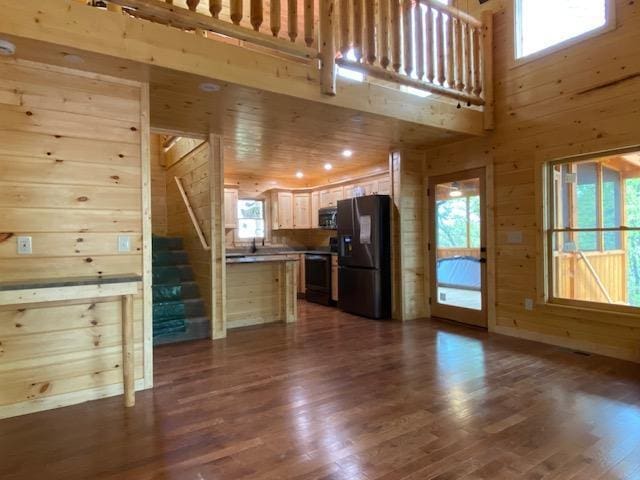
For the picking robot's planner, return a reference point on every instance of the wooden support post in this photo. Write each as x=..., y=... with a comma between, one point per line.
x=407, y=27
x=215, y=7
x=308, y=22
x=218, y=250
x=383, y=33
x=396, y=41
x=235, y=7
x=487, y=69
x=274, y=17
x=291, y=292
x=256, y=14
x=128, y=361
x=357, y=29
x=327, y=47
x=292, y=16
x=370, y=31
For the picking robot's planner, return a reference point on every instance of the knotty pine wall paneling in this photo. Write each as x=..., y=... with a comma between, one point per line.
x=71, y=148
x=581, y=99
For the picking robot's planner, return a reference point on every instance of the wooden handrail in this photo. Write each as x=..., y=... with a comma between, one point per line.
x=192, y=215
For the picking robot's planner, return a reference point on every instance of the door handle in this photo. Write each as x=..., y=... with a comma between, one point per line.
x=483, y=260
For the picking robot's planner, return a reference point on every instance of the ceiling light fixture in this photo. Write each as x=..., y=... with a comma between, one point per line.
x=7, y=48
x=347, y=153
x=209, y=87
x=299, y=174
x=455, y=190
x=328, y=166
x=72, y=58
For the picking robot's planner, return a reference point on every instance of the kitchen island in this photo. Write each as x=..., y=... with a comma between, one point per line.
x=261, y=289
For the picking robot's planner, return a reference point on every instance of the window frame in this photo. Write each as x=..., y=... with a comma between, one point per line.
x=609, y=25
x=468, y=235
x=548, y=230
x=238, y=238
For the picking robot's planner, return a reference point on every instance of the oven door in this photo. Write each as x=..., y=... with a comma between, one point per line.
x=318, y=273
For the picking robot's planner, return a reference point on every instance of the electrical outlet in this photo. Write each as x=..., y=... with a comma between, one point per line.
x=528, y=304
x=24, y=245
x=515, y=237
x=124, y=243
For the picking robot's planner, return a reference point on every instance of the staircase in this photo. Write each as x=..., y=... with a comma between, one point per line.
x=178, y=310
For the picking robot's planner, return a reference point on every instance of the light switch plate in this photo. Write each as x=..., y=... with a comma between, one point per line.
x=515, y=237
x=528, y=304
x=24, y=246
x=124, y=243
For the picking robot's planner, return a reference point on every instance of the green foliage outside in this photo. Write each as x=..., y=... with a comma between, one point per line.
x=632, y=211
x=452, y=217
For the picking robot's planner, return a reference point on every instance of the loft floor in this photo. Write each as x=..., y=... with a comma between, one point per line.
x=341, y=397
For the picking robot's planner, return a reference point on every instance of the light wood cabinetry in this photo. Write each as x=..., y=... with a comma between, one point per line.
x=334, y=278
x=335, y=195
x=315, y=206
x=282, y=210
x=230, y=208
x=301, y=210
x=325, y=198
x=301, y=275
x=384, y=187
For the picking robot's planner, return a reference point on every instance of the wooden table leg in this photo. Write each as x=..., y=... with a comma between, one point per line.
x=128, y=364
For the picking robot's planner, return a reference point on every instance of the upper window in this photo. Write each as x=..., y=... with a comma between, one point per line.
x=594, y=235
x=542, y=24
x=250, y=218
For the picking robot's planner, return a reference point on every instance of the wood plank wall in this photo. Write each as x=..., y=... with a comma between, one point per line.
x=193, y=170
x=158, y=188
x=581, y=99
x=70, y=177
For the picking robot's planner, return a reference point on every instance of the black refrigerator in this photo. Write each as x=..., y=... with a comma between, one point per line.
x=364, y=256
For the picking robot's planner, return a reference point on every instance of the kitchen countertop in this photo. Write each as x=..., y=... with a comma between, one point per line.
x=233, y=253
x=272, y=257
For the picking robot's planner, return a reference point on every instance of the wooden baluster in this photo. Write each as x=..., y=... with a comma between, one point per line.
x=344, y=26
x=475, y=40
x=407, y=33
x=440, y=48
x=383, y=33
x=396, y=40
x=308, y=22
x=327, y=47
x=256, y=14
x=215, y=7
x=292, y=17
x=419, y=30
x=428, y=45
x=467, y=58
x=235, y=6
x=487, y=69
x=193, y=5
x=274, y=18
x=449, y=37
x=370, y=29
x=357, y=29
x=459, y=76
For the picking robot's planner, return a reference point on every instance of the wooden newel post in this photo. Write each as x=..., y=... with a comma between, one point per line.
x=327, y=47
x=128, y=363
x=487, y=69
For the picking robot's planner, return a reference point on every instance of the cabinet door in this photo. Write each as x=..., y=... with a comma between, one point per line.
x=315, y=206
x=347, y=191
x=230, y=208
x=325, y=198
x=335, y=195
x=285, y=210
x=334, y=278
x=301, y=210
x=384, y=187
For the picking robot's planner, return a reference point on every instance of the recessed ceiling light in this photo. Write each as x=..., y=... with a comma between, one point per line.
x=71, y=58
x=7, y=48
x=209, y=87
x=299, y=174
x=328, y=166
x=347, y=153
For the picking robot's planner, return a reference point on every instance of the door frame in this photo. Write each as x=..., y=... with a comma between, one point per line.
x=481, y=318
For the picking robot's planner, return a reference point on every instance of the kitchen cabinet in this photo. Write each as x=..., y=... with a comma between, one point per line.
x=301, y=275
x=282, y=210
x=230, y=208
x=334, y=278
x=315, y=206
x=335, y=194
x=325, y=198
x=384, y=186
x=301, y=210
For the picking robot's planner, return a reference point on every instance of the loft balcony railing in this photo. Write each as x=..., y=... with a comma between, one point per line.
x=423, y=44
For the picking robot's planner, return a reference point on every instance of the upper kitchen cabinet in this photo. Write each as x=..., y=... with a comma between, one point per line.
x=315, y=206
x=281, y=210
x=330, y=197
x=301, y=210
x=230, y=208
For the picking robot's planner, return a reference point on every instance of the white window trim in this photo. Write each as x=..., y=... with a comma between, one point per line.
x=609, y=25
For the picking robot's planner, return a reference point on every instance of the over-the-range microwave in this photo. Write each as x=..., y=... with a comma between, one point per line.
x=327, y=218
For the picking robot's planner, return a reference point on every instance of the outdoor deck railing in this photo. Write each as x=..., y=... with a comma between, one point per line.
x=423, y=44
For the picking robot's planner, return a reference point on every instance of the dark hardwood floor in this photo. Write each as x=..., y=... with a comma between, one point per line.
x=340, y=397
